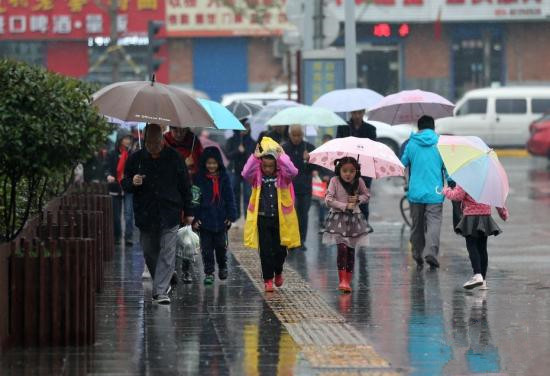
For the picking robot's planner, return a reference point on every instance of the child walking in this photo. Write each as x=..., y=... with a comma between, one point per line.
x=271, y=221
x=345, y=225
x=476, y=226
x=215, y=212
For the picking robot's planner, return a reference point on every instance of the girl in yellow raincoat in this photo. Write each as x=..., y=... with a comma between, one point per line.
x=271, y=221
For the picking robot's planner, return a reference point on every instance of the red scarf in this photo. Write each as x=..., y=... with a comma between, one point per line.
x=215, y=187
x=121, y=163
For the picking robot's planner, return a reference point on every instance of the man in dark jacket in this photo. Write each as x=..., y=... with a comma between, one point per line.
x=238, y=148
x=357, y=127
x=159, y=180
x=298, y=151
x=114, y=170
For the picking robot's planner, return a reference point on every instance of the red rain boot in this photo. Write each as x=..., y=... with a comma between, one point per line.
x=279, y=280
x=349, y=278
x=343, y=285
x=268, y=284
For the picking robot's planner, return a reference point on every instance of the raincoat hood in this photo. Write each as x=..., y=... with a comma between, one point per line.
x=211, y=152
x=426, y=137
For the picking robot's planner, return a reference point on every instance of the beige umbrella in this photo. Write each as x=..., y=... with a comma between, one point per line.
x=151, y=102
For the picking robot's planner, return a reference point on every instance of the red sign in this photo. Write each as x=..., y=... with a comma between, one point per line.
x=74, y=19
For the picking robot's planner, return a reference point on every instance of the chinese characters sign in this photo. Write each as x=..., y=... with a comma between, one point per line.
x=73, y=19
x=225, y=17
x=321, y=76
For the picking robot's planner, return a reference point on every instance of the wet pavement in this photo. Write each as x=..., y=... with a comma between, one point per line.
x=398, y=319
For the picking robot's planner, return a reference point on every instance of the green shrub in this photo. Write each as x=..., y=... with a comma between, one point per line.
x=46, y=128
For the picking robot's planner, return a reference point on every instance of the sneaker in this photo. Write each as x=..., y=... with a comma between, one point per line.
x=483, y=286
x=475, y=281
x=209, y=279
x=174, y=279
x=169, y=290
x=432, y=261
x=279, y=280
x=222, y=274
x=268, y=285
x=187, y=277
x=161, y=299
x=419, y=261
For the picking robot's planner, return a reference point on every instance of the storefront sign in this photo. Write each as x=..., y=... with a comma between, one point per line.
x=73, y=19
x=321, y=76
x=225, y=17
x=444, y=10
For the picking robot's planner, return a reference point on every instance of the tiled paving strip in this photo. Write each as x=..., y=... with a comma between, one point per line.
x=326, y=341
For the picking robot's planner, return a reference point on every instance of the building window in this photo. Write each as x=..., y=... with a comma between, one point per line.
x=540, y=106
x=30, y=52
x=473, y=106
x=511, y=106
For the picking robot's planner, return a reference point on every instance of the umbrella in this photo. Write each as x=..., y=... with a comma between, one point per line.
x=151, y=102
x=258, y=122
x=306, y=115
x=223, y=118
x=243, y=110
x=410, y=105
x=476, y=168
x=376, y=159
x=348, y=100
x=206, y=142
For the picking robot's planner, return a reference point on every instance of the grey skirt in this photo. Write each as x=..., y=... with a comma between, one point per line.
x=475, y=225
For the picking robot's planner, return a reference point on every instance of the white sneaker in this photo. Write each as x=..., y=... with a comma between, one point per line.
x=484, y=286
x=475, y=281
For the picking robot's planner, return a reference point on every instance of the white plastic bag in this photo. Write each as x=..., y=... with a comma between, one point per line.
x=188, y=244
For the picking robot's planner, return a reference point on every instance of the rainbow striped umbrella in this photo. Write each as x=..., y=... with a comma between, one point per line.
x=476, y=168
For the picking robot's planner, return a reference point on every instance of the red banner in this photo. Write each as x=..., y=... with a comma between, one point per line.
x=74, y=19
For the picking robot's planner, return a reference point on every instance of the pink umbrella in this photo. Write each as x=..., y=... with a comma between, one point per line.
x=376, y=159
x=206, y=142
x=408, y=106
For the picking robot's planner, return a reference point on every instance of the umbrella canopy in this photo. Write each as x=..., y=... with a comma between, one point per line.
x=151, y=102
x=306, y=115
x=410, y=105
x=476, y=168
x=243, y=110
x=376, y=159
x=258, y=122
x=223, y=118
x=348, y=100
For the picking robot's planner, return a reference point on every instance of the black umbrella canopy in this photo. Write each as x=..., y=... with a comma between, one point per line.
x=243, y=110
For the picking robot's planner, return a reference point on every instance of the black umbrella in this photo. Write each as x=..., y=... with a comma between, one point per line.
x=243, y=110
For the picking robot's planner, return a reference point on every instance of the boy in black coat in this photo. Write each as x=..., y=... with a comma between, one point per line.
x=215, y=213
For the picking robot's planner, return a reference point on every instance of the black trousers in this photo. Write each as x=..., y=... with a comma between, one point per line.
x=477, y=249
x=365, y=207
x=213, y=243
x=272, y=254
x=303, y=203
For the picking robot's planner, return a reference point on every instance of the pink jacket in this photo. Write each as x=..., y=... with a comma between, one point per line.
x=469, y=205
x=252, y=171
x=337, y=196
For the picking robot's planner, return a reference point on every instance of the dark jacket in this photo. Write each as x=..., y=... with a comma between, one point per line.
x=111, y=163
x=165, y=191
x=302, y=182
x=236, y=158
x=365, y=130
x=184, y=148
x=276, y=136
x=213, y=214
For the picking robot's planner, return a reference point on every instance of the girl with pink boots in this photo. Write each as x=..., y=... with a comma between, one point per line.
x=345, y=225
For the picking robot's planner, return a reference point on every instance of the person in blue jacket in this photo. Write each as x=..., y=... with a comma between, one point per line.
x=426, y=181
x=215, y=213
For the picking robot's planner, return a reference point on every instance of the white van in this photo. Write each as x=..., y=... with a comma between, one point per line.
x=500, y=116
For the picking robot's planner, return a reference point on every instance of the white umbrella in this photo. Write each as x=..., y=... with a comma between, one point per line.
x=307, y=115
x=348, y=100
x=258, y=121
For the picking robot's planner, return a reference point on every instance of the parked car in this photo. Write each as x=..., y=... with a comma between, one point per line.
x=539, y=141
x=500, y=116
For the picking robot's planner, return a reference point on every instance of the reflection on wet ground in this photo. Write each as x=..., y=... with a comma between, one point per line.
x=422, y=321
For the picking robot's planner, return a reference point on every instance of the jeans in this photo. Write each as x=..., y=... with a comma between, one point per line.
x=303, y=203
x=159, y=250
x=272, y=254
x=213, y=243
x=429, y=217
x=477, y=250
x=237, y=181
